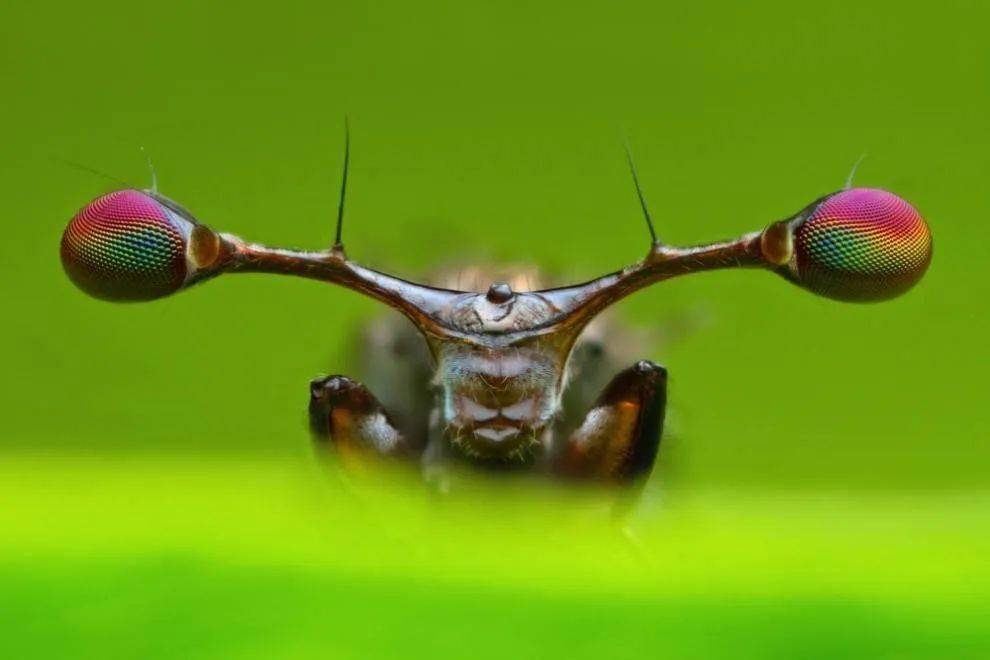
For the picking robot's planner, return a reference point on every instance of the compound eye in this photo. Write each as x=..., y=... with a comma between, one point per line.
x=127, y=245
x=861, y=244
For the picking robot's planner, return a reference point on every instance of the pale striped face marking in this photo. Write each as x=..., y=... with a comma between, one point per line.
x=496, y=434
x=497, y=397
x=468, y=407
x=520, y=411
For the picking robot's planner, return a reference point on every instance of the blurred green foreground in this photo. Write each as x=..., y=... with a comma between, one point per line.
x=823, y=491
x=276, y=559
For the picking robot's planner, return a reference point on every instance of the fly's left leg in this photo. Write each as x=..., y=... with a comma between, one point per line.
x=344, y=414
x=619, y=438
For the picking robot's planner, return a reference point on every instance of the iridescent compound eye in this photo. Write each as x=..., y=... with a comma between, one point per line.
x=861, y=244
x=127, y=245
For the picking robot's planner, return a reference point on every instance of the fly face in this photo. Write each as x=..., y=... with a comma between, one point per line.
x=497, y=401
x=500, y=384
x=499, y=357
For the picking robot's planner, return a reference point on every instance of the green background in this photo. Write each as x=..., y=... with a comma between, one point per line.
x=824, y=491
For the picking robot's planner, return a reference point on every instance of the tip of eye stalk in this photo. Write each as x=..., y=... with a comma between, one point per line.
x=861, y=244
x=131, y=245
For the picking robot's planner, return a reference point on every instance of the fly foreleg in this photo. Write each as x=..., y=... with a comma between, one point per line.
x=618, y=440
x=344, y=414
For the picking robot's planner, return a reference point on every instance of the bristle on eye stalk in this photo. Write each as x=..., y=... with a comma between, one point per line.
x=861, y=244
x=126, y=245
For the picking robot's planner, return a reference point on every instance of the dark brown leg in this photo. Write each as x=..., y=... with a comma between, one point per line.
x=344, y=414
x=619, y=438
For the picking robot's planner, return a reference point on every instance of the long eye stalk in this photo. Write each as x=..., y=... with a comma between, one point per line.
x=858, y=245
x=133, y=245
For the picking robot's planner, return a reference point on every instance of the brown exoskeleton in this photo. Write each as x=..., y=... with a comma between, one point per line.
x=496, y=361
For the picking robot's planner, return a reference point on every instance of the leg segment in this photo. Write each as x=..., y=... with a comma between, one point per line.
x=343, y=412
x=619, y=438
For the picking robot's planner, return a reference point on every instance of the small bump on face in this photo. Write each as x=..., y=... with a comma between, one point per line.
x=499, y=293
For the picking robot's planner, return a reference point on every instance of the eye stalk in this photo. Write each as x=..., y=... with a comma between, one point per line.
x=132, y=245
x=861, y=244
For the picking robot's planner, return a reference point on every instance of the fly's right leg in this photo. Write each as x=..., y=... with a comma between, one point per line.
x=619, y=438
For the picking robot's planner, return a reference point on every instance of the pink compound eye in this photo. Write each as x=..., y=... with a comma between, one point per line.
x=126, y=245
x=861, y=244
